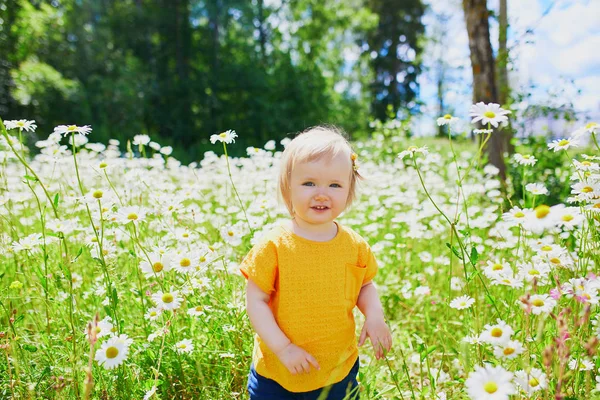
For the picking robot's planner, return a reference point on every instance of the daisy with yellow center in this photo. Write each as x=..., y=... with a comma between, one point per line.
x=71, y=129
x=126, y=215
x=447, y=120
x=510, y=350
x=185, y=262
x=462, y=302
x=114, y=351
x=490, y=113
x=490, y=383
x=497, y=334
x=525, y=159
x=184, y=346
x=532, y=381
x=167, y=300
x=156, y=266
x=226, y=137
x=412, y=150
x=563, y=144
x=153, y=313
x=21, y=124
x=540, y=304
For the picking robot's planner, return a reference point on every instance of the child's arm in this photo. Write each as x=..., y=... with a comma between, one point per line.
x=261, y=317
x=375, y=326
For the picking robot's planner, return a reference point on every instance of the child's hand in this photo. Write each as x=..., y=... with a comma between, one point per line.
x=381, y=337
x=296, y=359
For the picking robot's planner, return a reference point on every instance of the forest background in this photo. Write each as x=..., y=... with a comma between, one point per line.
x=181, y=70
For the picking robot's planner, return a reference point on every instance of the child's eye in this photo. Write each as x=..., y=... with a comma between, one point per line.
x=308, y=184
x=335, y=185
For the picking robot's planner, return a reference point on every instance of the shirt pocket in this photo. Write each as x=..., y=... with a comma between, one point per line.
x=355, y=274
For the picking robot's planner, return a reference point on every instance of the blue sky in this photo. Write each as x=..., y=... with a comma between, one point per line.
x=564, y=46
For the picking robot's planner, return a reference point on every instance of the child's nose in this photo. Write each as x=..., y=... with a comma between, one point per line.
x=320, y=196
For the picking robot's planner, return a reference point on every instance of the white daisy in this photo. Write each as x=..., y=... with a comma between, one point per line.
x=586, y=190
x=28, y=243
x=515, y=216
x=490, y=383
x=158, y=265
x=185, y=262
x=447, y=120
x=140, y=140
x=509, y=350
x=227, y=137
x=167, y=300
x=592, y=127
x=531, y=381
x=525, y=159
x=114, y=351
x=196, y=311
x=129, y=214
x=542, y=218
x=184, y=346
x=540, y=303
x=103, y=328
x=497, y=268
x=563, y=144
x=462, y=302
x=66, y=129
x=581, y=364
x=153, y=313
x=497, y=334
x=536, y=189
x=569, y=218
x=490, y=113
x=537, y=270
x=21, y=124
x=410, y=151
x=231, y=235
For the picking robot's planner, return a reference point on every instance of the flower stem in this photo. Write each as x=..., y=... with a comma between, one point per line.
x=235, y=190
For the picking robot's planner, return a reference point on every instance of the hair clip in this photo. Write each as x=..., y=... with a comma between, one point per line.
x=353, y=157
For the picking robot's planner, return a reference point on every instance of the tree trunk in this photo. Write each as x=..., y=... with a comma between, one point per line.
x=213, y=99
x=483, y=65
x=502, y=67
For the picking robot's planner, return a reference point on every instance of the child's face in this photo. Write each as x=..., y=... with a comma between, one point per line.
x=319, y=189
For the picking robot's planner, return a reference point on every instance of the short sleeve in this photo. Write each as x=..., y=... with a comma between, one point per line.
x=260, y=265
x=369, y=261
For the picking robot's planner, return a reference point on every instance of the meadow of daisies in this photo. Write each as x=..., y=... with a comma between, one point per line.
x=119, y=267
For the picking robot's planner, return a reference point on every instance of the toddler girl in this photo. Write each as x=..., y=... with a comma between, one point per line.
x=306, y=276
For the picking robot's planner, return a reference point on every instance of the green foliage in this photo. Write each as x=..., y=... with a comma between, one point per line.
x=37, y=80
x=395, y=47
x=265, y=70
x=548, y=170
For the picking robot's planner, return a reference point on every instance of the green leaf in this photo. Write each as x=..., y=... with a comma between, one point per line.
x=474, y=256
x=454, y=250
x=56, y=200
x=425, y=353
x=30, y=178
x=114, y=296
x=78, y=254
x=30, y=348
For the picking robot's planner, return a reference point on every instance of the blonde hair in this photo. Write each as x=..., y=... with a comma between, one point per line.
x=312, y=145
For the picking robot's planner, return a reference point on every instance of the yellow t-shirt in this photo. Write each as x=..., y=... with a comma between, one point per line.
x=314, y=287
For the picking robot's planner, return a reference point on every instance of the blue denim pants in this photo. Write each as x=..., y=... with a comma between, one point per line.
x=261, y=388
